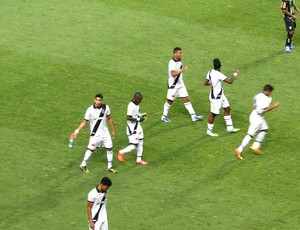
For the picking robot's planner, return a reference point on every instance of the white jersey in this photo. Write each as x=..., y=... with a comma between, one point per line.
x=99, y=205
x=216, y=78
x=260, y=102
x=133, y=111
x=175, y=82
x=92, y=114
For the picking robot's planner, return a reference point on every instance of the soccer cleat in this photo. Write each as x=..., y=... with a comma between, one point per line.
x=287, y=49
x=120, y=157
x=142, y=162
x=234, y=130
x=197, y=118
x=112, y=170
x=293, y=47
x=238, y=154
x=84, y=169
x=165, y=119
x=256, y=150
x=212, y=134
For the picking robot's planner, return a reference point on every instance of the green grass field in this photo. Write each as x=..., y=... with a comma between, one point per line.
x=56, y=55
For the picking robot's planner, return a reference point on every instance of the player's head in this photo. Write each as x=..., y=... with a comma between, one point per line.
x=98, y=100
x=217, y=63
x=105, y=183
x=177, y=53
x=268, y=89
x=137, y=98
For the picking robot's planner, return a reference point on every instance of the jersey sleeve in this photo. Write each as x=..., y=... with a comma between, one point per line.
x=221, y=76
x=172, y=66
x=208, y=77
x=130, y=109
x=91, y=198
x=107, y=110
x=87, y=115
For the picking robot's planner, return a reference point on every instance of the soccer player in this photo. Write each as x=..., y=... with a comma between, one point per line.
x=258, y=124
x=288, y=8
x=98, y=115
x=176, y=87
x=134, y=130
x=96, y=205
x=218, y=99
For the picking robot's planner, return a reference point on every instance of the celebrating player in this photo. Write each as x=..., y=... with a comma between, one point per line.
x=176, y=87
x=258, y=123
x=134, y=130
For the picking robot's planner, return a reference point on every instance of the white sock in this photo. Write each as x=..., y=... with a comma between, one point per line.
x=109, y=155
x=128, y=149
x=210, y=127
x=245, y=142
x=229, y=124
x=87, y=155
x=259, y=139
x=190, y=108
x=166, y=109
x=139, y=153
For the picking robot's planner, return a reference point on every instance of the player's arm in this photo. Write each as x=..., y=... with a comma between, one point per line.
x=175, y=73
x=276, y=105
x=111, y=123
x=232, y=79
x=285, y=11
x=89, y=212
x=297, y=9
x=206, y=82
x=80, y=127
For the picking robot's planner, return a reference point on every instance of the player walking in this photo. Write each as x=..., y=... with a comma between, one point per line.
x=134, y=130
x=217, y=97
x=258, y=124
x=98, y=115
x=176, y=87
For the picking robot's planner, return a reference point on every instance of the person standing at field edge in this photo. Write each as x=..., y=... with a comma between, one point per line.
x=218, y=99
x=134, y=130
x=176, y=87
x=96, y=205
x=288, y=8
x=98, y=115
x=258, y=124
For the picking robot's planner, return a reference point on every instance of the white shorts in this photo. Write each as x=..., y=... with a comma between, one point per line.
x=177, y=93
x=135, y=137
x=217, y=104
x=103, y=225
x=257, y=123
x=103, y=140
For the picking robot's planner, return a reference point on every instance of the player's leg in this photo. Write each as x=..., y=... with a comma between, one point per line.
x=290, y=27
x=215, y=105
x=133, y=142
x=140, y=148
x=227, y=117
x=171, y=95
x=182, y=93
x=108, y=145
x=93, y=143
x=260, y=137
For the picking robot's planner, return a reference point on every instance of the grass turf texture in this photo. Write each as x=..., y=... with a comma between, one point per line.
x=55, y=56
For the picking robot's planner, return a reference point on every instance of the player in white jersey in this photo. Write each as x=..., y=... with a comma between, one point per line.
x=134, y=130
x=98, y=115
x=218, y=99
x=176, y=87
x=96, y=205
x=258, y=124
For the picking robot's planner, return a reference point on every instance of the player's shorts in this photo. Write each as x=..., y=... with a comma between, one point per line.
x=103, y=140
x=217, y=104
x=103, y=225
x=135, y=137
x=290, y=24
x=257, y=123
x=177, y=93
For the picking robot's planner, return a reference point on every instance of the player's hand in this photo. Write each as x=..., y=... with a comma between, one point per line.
x=113, y=134
x=276, y=104
x=294, y=18
x=185, y=69
x=92, y=225
x=73, y=135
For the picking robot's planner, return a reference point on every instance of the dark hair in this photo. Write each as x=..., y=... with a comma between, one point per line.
x=99, y=95
x=106, y=181
x=137, y=94
x=268, y=87
x=176, y=49
x=217, y=63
